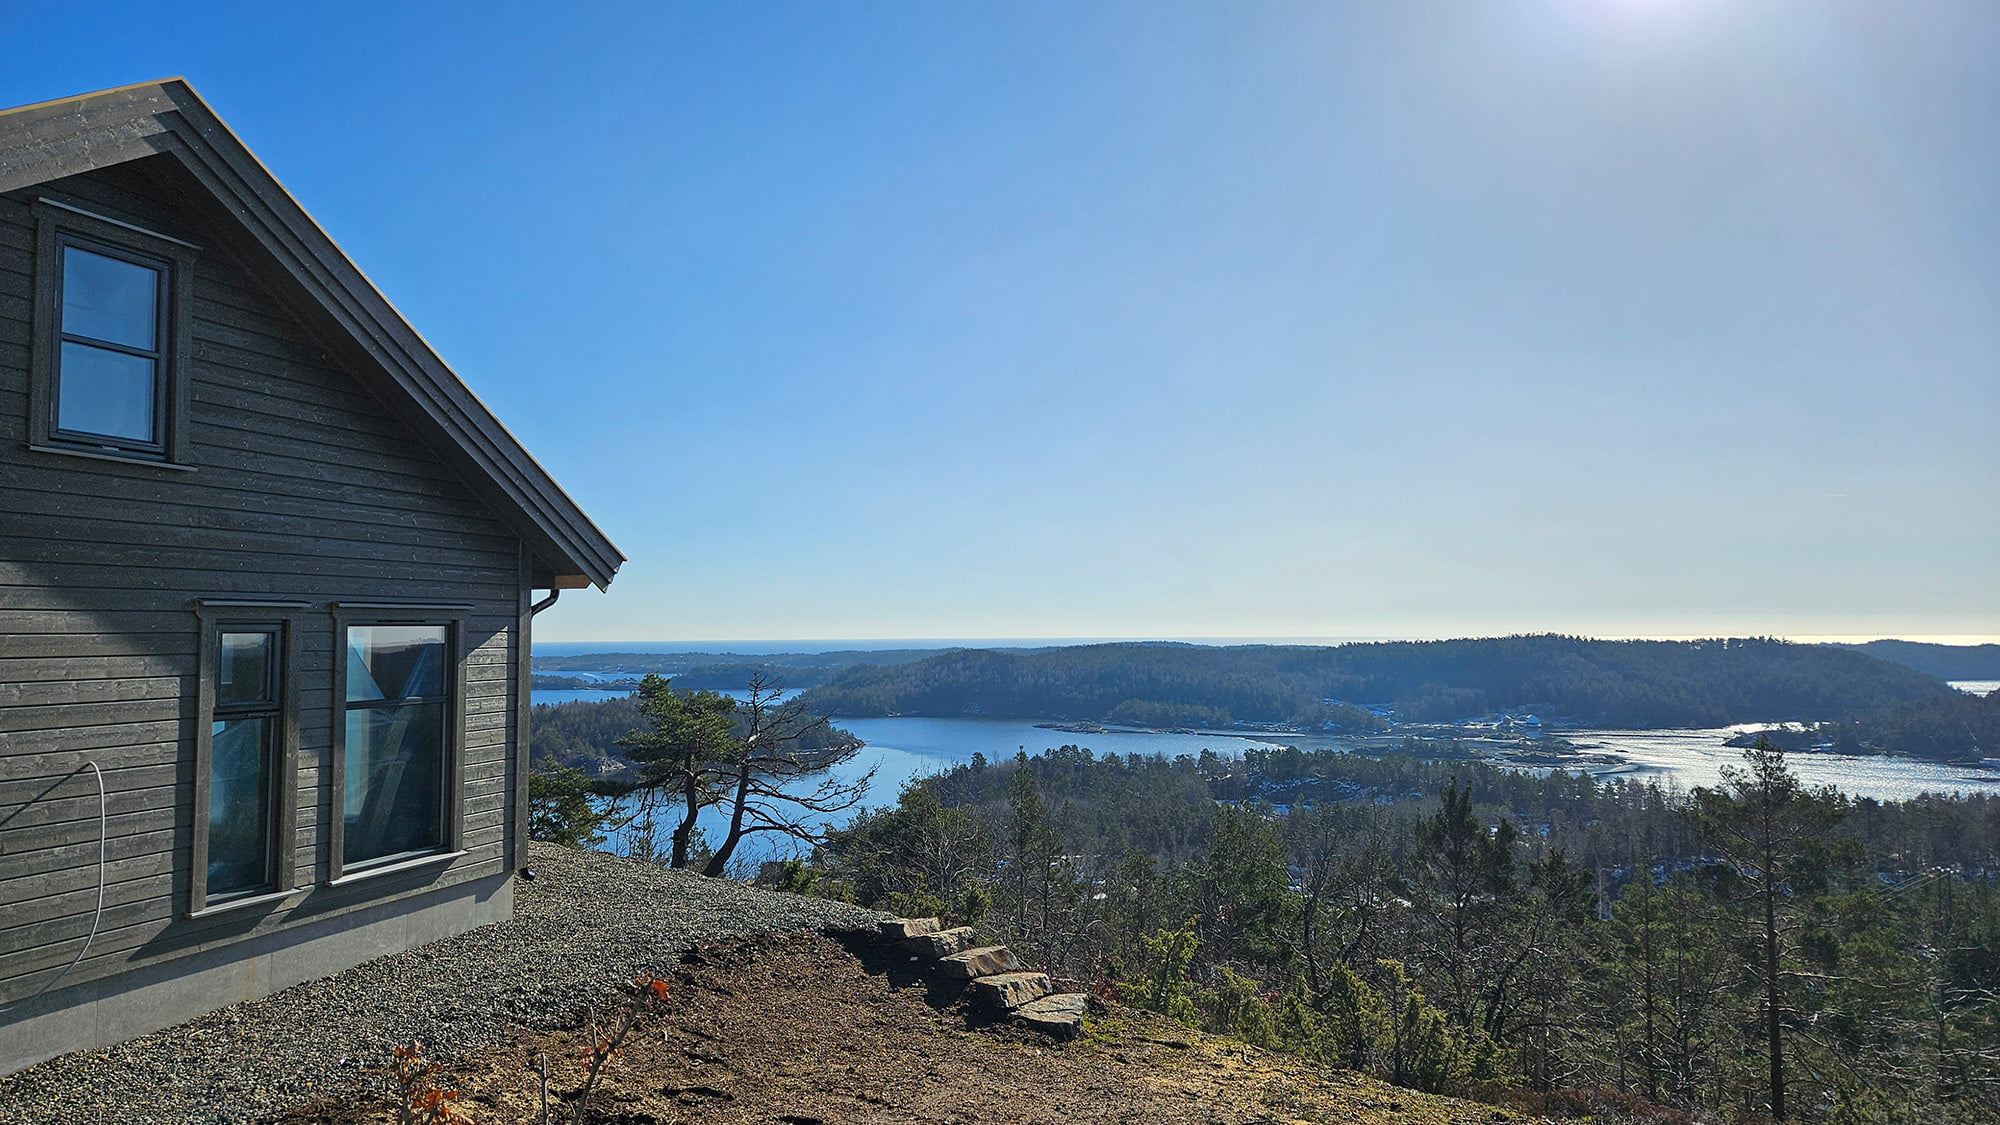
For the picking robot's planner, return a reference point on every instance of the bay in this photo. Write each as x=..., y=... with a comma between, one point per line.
x=900, y=749
x=1688, y=758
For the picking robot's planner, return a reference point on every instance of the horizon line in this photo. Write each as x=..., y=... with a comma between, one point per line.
x=1968, y=640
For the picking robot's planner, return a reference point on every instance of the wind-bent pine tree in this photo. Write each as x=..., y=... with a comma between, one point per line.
x=755, y=757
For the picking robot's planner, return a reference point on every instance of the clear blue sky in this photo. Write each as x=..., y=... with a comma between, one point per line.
x=1628, y=317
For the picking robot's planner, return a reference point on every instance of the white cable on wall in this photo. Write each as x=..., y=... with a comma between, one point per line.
x=97, y=919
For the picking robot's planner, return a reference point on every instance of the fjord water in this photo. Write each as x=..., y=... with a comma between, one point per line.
x=903, y=748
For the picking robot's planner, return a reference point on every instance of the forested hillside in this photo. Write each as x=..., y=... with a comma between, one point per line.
x=1946, y=662
x=1957, y=726
x=1453, y=926
x=1609, y=683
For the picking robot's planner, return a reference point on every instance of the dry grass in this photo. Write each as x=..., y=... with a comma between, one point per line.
x=802, y=1029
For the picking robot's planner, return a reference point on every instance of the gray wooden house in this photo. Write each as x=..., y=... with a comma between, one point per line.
x=267, y=570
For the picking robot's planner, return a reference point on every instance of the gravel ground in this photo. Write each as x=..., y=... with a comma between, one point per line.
x=588, y=923
x=818, y=1031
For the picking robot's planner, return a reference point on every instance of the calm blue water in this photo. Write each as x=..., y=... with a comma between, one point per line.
x=900, y=750
x=904, y=748
x=879, y=644
x=545, y=695
x=1688, y=758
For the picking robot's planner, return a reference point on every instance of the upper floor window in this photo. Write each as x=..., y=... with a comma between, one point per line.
x=111, y=368
x=111, y=304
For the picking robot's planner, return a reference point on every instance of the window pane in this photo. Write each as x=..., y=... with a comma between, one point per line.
x=99, y=391
x=108, y=299
x=239, y=806
x=246, y=667
x=395, y=661
x=394, y=782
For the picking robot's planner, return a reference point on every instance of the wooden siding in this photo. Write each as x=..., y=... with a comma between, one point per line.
x=305, y=488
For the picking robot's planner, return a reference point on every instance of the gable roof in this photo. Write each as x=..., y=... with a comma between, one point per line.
x=52, y=140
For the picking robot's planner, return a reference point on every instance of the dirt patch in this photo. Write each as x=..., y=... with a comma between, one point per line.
x=807, y=1030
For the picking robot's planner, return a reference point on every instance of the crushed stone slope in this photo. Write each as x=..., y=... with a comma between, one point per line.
x=816, y=1030
x=586, y=924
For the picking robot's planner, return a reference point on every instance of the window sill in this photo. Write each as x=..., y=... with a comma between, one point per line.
x=109, y=455
x=394, y=867
x=247, y=902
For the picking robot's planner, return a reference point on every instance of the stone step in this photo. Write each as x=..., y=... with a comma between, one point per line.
x=1060, y=1015
x=900, y=928
x=985, y=961
x=943, y=943
x=1010, y=990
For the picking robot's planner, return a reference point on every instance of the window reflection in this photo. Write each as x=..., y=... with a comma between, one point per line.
x=105, y=392
x=108, y=299
x=242, y=762
x=394, y=739
x=110, y=366
x=239, y=806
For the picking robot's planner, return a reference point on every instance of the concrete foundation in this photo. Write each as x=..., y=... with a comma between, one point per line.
x=111, y=1010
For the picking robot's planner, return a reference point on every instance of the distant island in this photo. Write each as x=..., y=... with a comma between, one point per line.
x=1851, y=698
x=1636, y=684
x=1946, y=662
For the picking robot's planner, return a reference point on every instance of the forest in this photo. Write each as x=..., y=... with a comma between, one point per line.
x=1946, y=662
x=1757, y=951
x=1633, y=684
x=1956, y=726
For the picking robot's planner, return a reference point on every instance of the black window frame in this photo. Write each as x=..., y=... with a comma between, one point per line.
x=451, y=787
x=282, y=621
x=59, y=227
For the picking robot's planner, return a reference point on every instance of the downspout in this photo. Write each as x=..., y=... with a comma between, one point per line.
x=528, y=873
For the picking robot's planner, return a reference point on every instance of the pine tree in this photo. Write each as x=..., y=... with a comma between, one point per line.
x=1761, y=821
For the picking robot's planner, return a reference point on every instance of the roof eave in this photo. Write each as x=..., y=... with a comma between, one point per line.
x=66, y=137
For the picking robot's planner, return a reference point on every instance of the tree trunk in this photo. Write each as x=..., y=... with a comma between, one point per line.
x=684, y=834
x=1772, y=1023
x=720, y=860
x=1650, y=1057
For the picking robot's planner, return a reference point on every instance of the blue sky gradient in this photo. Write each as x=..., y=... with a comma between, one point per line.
x=1623, y=317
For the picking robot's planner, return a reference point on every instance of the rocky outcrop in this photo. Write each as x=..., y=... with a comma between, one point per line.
x=943, y=943
x=1009, y=991
x=903, y=928
x=981, y=962
x=1061, y=1014
x=995, y=978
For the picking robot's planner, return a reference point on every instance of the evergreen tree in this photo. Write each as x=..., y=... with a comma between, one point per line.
x=1762, y=822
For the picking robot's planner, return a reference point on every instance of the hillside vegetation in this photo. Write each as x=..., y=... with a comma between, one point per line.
x=1608, y=683
x=798, y=1028
x=1457, y=927
x=1947, y=662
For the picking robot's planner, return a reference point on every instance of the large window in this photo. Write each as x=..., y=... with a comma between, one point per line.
x=244, y=785
x=397, y=741
x=111, y=302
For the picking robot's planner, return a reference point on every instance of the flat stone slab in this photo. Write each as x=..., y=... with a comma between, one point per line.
x=985, y=961
x=944, y=943
x=900, y=928
x=1060, y=1015
x=1010, y=990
